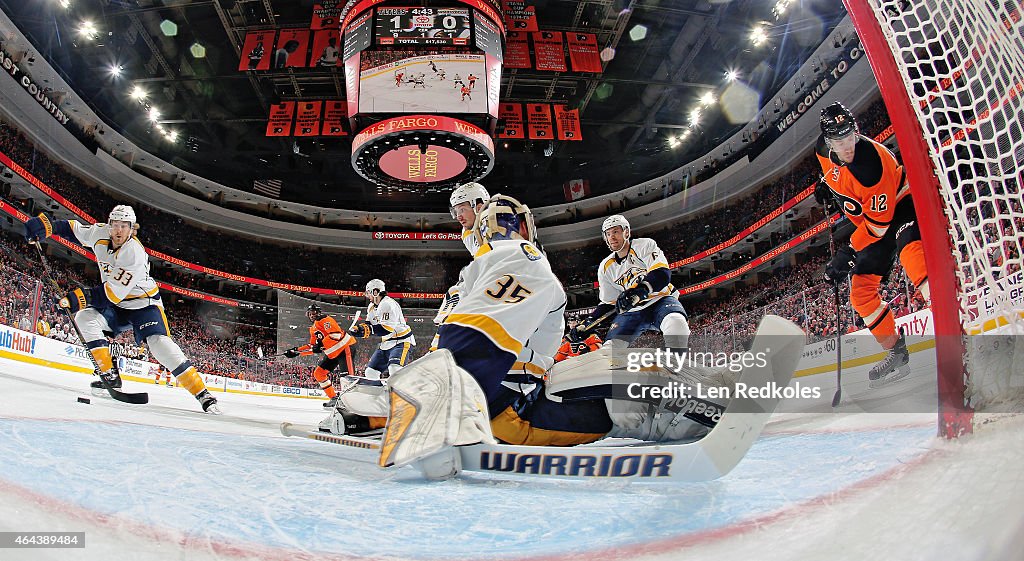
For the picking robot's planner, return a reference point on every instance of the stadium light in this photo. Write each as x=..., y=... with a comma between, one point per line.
x=732, y=75
x=154, y=114
x=708, y=98
x=88, y=29
x=138, y=93
x=758, y=35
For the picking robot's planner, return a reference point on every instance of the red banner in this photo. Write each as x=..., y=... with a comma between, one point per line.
x=538, y=120
x=326, y=49
x=519, y=16
x=292, y=48
x=746, y=231
x=335, y=113
x=307, y=118
x=511, y=114
x=280, y=121
x=568, y=123
x=257, y=50
x=583, y=52
x=548, y=51
x=517, y=50
x=429, y=236
x=326, y=14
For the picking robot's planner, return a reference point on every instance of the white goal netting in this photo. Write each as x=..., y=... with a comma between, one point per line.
x=962, y=65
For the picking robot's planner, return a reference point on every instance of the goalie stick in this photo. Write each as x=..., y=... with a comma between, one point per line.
x=127, y=397
x=711, y=457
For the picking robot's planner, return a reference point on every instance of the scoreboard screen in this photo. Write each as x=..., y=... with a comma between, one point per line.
x=422, y=26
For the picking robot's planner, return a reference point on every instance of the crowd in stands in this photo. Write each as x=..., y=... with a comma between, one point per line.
x=219, y=343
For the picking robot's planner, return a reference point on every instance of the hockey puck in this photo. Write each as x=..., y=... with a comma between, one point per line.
x=83, y=400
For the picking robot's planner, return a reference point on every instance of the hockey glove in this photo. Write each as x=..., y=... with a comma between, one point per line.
x=632, y=296
x=842, y=264
x=292, y=352
x=823, y=194
x=578, y=334
x=361, y=329
x=81, y=298
x=38, y=228
x=317, y=348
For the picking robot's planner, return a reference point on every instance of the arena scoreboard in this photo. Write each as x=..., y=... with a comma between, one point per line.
x=422, y=26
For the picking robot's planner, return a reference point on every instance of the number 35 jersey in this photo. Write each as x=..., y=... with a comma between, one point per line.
x=510, y=295
x=124, y=272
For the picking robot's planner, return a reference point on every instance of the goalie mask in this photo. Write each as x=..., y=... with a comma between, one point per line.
x=505, y=218
x=611, y=222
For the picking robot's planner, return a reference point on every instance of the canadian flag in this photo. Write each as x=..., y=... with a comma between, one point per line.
x=576, y=189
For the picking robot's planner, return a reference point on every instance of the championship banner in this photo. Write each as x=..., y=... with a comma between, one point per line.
x=583, y=52
x=256, y=50
x=326, y=14
x=548, y=51
x=519, y=16
x=335, y=113
x=568, y=123
x=511, y=114
x=576, y=189
x=280, y=121
x=517, y=50
x=538, y=119
x=307, y=119
x=292, y=48
x=325, y=49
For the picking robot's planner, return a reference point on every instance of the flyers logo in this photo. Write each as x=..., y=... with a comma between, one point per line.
x=851, y=207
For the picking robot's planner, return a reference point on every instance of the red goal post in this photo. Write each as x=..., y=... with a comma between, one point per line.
x=951, y=74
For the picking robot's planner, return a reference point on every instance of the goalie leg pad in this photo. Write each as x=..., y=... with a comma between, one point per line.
x=434, y=405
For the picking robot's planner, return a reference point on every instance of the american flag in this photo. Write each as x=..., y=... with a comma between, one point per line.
x=268, y=187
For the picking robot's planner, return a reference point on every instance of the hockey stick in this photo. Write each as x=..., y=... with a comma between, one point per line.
x=355, y=320
x=839, y=321
x=287, y=429
x=127, y=397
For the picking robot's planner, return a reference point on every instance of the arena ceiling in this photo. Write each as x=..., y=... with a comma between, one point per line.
x=667, y=54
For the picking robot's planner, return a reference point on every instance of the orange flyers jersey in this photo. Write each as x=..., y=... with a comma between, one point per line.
x=569, y=349
x=867, y=188
x=329, y=334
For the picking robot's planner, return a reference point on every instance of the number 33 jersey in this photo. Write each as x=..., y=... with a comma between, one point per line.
x=124, y=272
x=510, y=295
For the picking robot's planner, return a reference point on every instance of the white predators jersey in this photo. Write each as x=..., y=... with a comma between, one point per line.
x=471, y=242
x=510, y=295
x=614, y=276
x=388, y=314
x=125, y=272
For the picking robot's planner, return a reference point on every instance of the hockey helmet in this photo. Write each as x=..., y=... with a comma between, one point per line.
x=375, y=285
x=611, y=222
x=314, y=312
x=122, y=213
x=502, y=219
x=837, y=121
x=472, y=192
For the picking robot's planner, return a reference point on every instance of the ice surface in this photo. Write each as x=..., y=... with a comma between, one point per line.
x=164, y=481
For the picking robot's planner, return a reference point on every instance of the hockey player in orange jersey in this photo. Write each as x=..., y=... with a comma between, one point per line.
x=327, y=337
x=870, y=187
x=570, y=348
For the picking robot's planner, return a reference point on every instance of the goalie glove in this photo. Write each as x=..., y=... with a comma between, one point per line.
x=79, y=299
x=361, y=329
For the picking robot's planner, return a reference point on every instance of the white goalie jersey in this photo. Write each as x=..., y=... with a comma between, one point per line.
x=510, y=295
x=124, y=272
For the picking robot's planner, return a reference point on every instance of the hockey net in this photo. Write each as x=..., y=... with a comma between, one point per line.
x=952, y=77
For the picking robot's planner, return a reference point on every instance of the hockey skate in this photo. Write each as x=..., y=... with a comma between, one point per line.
x=331, y=403
x=893, y=367
x=208, y=402
x=112, y=379
x=343, y=422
